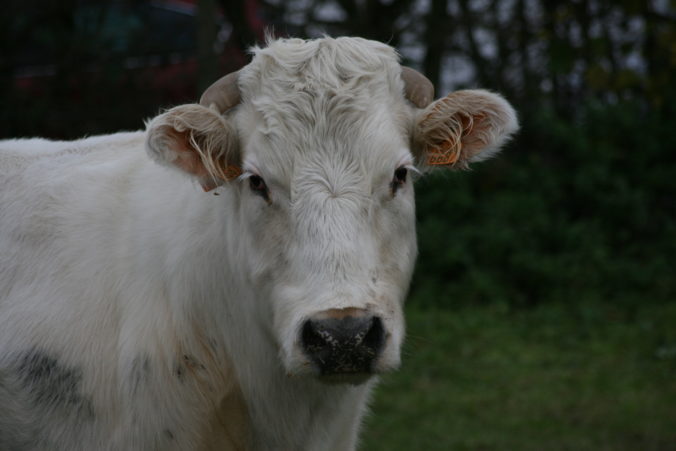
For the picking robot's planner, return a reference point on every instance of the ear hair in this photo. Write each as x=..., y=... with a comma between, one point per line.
x=464, y=127
x=196, y=140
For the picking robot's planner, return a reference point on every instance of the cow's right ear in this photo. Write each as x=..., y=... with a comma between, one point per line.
x=196, y=140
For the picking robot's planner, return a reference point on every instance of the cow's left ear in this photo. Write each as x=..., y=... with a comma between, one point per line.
x=462, y=128
x=196, y=140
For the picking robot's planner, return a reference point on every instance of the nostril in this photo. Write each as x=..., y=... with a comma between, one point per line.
x=375, y=337
x=312, y=339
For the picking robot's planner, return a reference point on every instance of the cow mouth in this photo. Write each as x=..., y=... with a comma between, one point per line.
x=346, y=367
x=355, y=378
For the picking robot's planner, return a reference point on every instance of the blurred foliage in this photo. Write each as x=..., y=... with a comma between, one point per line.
x=581, y=205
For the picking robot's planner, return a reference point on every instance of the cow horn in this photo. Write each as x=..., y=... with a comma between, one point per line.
x=418, y=89
x=223, y=93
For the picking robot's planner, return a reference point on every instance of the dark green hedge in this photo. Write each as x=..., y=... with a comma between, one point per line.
x=573, y=210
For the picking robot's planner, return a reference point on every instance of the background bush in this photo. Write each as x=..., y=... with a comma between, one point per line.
x=572, y=211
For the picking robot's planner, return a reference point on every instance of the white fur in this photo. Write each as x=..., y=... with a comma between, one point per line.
x=168, y=317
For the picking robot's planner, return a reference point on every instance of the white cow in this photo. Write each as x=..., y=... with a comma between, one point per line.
x=243, y=293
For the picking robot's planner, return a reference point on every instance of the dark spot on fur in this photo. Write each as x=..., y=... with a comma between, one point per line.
x=53, y=385
x=216, y=194
x=189, y=363
x=192, y=363
x=139, y=372
x=169, y=434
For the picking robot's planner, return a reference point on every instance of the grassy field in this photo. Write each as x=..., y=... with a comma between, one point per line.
x=555, y=377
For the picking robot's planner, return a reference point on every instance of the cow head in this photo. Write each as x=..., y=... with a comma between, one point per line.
x=319, y=143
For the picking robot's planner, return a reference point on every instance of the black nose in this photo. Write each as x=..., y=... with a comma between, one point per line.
x=340, y=344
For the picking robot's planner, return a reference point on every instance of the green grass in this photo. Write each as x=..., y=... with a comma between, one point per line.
x=555, y=377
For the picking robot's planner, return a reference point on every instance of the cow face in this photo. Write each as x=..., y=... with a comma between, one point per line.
x=330, y=210
x=321, y=152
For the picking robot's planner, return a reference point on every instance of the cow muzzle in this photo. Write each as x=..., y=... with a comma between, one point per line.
x=342, y=342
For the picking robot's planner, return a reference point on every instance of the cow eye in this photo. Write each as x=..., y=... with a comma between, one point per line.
x=399, y=178
x=258, y=186
x=400, y=174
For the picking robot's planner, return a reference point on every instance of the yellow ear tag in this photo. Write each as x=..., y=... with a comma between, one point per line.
x=445, y=154
x=232, y=172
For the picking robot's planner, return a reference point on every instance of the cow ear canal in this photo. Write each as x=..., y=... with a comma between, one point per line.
x=258, y=186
